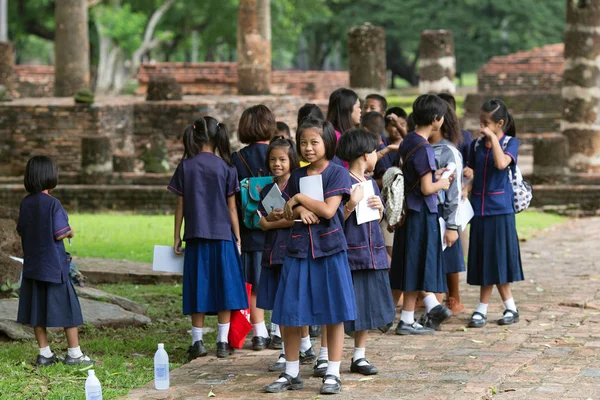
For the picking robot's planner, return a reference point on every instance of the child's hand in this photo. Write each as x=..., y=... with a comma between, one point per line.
x=71, y=233
x=375, y=203
x=487, y=132
x=357, y=195
x=393, y=147
x=450, y=237
x=177, y=247
x=465, y=193
x=439, y=173
x=288, y=211
x=275, y=215
x=444, y=183
x=309, y=217
x=239, y=246
x=391, y=228
x=468, y=173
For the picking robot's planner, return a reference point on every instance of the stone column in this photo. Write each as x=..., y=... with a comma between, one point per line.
x=96, y=160
x=71, y=47
x=366, y=58
x=437, y=63
x=7, y=70
x=254, y=47
x=550, y=155
x=581, y=85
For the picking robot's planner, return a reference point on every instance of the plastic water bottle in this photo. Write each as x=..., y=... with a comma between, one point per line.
x=161, y=368
x=93, y=390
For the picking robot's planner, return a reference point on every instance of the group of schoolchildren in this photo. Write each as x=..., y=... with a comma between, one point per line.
x=311, y=262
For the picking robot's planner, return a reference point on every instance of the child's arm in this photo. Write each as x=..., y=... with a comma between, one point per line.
x=324, y=209
x=274, y=220
x=428, y=187
x=235, y=224
x=178, y=222
x=356, y=195
x=501, y=159
x=69, y=234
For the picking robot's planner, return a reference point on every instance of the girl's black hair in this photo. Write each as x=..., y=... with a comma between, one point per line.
x=309, y=110
x=355, y=143
x=326, y=131
x=451, y=128
x=282, y=142
x=339, y=111
x=207, y=130
x=497, y=111
x=40, y=174
x=410, y=123
x=399, y=111
x=428, y=108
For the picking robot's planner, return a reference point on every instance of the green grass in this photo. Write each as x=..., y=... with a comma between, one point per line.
x=532, y=223
x=469, y=79
x=406, y=101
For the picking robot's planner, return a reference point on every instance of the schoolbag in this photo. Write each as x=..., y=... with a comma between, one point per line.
x=522, y=190
x=250, y=189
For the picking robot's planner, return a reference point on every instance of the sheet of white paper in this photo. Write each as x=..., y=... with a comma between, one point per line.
x=364, y=213
x=465, y=213
x=17, y=259
x=166, y=260
x=312, y=186
x=442, y=232
x=451, y=168
x=273, y=200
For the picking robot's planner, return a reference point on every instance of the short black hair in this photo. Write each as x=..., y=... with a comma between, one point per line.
x=280, y=142
x=355, y=143
x=257, y=123
x=448, y=98
x=399, y=111
x=428, y=108
x=410, y=123
x=283, y=128
x=326, y=131
x=373, y=122
x=309, y=110
x=40, y=174
x=379, y=98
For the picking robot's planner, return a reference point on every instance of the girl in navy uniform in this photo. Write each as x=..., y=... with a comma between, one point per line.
x=281, y=161
x=47, y=297
x=213, y=279
x=366, y=249
x=494, y=254
x=256, y=128
x=417, y=255
x=316, y=285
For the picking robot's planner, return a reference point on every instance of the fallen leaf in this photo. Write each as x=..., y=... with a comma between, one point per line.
x=250, y=374
x=539, y=289
x=476, y=341
x=211, y=394
x=546, y=345
x=473, y=357
x=366, y=379
x=535, y=255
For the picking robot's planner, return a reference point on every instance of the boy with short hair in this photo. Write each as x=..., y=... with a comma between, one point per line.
x=375, y=102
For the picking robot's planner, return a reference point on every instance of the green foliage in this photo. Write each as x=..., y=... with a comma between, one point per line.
x=84, y=96
x=122, y=24
x=10, y=289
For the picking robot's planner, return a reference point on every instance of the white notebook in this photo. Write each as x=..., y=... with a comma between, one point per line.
x=312, y=186
x=166, y=260
x=364, y=213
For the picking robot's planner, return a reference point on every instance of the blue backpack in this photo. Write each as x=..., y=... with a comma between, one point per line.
x=250, y=189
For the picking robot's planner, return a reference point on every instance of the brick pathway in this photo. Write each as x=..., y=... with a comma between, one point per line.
x=553, y=353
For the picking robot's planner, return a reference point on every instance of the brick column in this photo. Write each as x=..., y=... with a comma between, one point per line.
x=96, y=160
x=7, y=69
x=437, y=62
x=254, y=47
x=550, y=155
x=71, y=47
x=581, y=85
x=366, y=58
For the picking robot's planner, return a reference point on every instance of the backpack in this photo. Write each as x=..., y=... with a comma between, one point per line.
x=250, y=189
x=522, y=190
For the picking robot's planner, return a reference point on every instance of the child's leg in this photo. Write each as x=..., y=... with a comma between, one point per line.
x=74, y=353
x=453, y=299
x=260, y=341
x=506, y=295
x=305, y=343
x=360, y=344
x=223, y=318
x=41, y=336
x=323, y=352
x=197, y=327
x=72, y=335
x=485, y=293
x=397, y=294
x=292, y=348
x=335, y=341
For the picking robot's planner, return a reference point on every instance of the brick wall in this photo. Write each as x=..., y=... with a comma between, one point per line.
x=221, y=78
x=34, y=81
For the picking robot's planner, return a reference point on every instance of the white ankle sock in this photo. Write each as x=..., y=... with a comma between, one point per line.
x=74, y=352
x=45, y=352
x=430, y=302
x=481, y=308
x=408, y=317
x=282, y=347
x=197, y=334
x=358, y=354
x=333, y=368
x=292, y=368
x=305, y=344
x=276, y=331
x=223, y=333
x=260, y=329
x=323, y=354
x=510, y=304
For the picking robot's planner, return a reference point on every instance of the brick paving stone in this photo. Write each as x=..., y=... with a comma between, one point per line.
x=551, y=354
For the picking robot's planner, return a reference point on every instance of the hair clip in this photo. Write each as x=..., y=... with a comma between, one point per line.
x=194, y=126
x=218, y=124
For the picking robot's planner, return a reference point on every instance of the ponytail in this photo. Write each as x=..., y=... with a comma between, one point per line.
x=497, y=111
x=509, y=127
x=221, y=142
x=208, y=130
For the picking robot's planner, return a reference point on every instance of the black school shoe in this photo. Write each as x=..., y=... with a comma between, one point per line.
x=289, y=384
x=279, y=366
x=260, y=343
x=412, y=329
x=314, y=331
x=385, y=328
x=331, y=388
x=196, y=350
x=363, y=369
x=275, y=342
x=42, y=361
x=83, y=360
x=437, y=316
x=477, y=322
x=509, y=317
x=320, y=368
x=224, y=350
x=308, y=356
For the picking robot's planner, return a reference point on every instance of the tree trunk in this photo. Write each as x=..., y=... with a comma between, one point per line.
x=254, y=47
x=581, y=79
x=3, y=20
x=7, y=64
x=72, y=67
x=366, y=57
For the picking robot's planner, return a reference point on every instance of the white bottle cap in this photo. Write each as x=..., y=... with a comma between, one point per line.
x=91, y=372
x=161, y=346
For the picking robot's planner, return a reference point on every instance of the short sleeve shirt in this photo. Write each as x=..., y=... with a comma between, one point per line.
x=492, y=192
x=327, y=237
x=255, y=156
x=387, y=161
x=274, y=249
x=421, y=162
x=206, y=182
x=42, y=220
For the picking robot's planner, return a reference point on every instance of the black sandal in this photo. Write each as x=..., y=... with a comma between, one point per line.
x=509, y=317
x=363, y=369
x=289, y=384
x=331, y=388
x=477, y=322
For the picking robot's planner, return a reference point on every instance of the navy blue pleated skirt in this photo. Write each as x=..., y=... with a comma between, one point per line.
x=374, y=301
x=251, y=261
x=315, y=292
x=53, y=305
x=494, y=253
x=213, y=279
x=453, y=258
x=267, y=288
x=417, y=255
